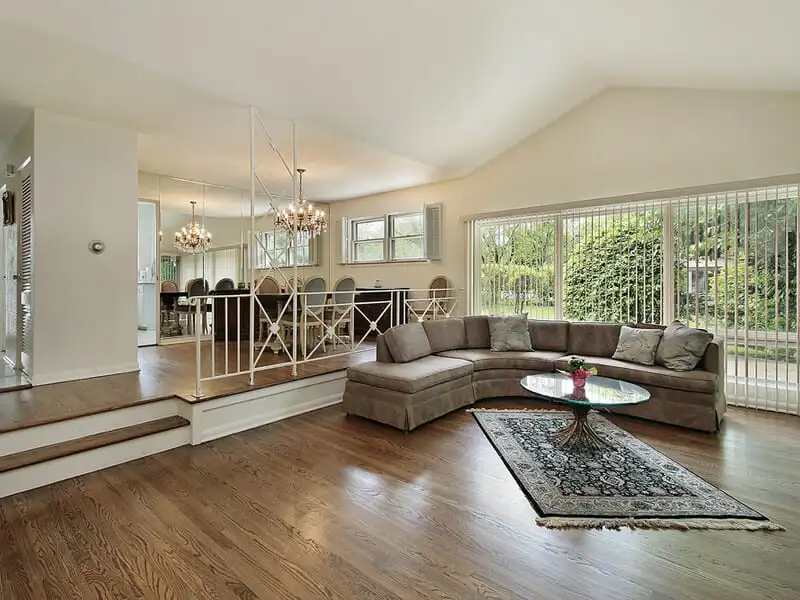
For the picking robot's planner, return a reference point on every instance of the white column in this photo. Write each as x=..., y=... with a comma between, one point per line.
x=84, y=304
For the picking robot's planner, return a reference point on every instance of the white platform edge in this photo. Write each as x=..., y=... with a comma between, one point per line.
x=20, y=440
x=232, y=414
x=34, y=476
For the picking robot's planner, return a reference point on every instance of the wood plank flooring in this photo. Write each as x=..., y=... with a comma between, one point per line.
x=323, y=506
x=165, y=372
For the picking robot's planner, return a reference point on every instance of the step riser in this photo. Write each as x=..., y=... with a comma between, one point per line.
x=59, y=469
x=63, y=431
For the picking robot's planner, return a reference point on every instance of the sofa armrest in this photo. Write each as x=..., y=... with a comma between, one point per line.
x=714, y=362
x=382, y=353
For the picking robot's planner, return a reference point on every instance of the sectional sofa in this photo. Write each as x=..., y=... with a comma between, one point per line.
x=425, y=370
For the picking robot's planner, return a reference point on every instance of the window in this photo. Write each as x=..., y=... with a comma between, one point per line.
x=274, y=250
x=389, y=238
x=369, y=240
x=407, y=241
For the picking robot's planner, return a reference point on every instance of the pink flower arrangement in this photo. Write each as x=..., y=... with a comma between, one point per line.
x=579, y=371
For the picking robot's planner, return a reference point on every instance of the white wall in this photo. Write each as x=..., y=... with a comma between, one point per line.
x=84, y=305
x=621, y=142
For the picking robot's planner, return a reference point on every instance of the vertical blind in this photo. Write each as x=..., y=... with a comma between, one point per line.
x=725, y=262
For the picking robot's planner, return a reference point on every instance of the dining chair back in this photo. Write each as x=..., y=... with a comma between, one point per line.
x=314, y=295
x=269, y=286
x=344, y=294
x=224, y=285
x=168, y=285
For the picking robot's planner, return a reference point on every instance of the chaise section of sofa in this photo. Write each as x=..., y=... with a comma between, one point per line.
x=424, y=371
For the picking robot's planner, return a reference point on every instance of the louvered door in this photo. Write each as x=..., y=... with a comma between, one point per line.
x=25, y=278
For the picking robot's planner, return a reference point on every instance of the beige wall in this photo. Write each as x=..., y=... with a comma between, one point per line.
x=621, y=142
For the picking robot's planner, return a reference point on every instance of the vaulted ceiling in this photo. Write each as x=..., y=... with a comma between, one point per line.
x=385, y=94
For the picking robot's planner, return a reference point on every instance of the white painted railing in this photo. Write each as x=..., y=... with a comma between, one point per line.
x=295, y=327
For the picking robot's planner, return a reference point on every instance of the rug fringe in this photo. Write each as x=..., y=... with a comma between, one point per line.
x=546, y=410
x=679, y=524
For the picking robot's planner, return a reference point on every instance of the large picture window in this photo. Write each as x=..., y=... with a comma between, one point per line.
x=273, y=249
x=725, y=262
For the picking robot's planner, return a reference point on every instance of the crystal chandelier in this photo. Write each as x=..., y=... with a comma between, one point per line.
x=193, y=238
x=301, y=217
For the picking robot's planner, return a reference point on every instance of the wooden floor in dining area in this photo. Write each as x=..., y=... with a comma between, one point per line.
x=335, y=507
x=165, y=372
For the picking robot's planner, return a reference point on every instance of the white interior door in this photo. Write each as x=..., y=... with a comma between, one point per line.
x=11, y=292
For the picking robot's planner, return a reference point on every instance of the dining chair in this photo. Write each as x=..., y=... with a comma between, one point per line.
x=340, y=316
x=290, y=284
x=439, y=302
x=224, y=285
x=168, y=304
x=268, y=286
x=197, y=287
x=312, y=311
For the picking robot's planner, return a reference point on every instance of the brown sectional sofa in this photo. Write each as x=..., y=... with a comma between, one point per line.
x=424, y=371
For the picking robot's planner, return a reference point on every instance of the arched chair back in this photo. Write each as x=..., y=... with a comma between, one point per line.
x=314, y=296
x=344, y=294
x=440, y=290
x=197, y=287
x=291, y=284
x=168, y=285
x=268, y=286
x=224, y=285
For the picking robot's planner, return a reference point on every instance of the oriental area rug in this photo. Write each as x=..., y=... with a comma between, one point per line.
x=627, y=484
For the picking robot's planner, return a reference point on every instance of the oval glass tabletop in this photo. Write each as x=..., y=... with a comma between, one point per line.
x=599, y=391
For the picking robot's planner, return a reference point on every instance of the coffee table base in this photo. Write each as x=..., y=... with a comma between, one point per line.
x=579, y=433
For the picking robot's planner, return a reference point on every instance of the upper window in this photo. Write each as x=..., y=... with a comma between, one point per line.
x=274, y=250
x=389, y=238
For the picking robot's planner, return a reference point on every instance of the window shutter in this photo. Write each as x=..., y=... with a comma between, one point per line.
x=433, y=231
x=315, y=249
x=341, y=240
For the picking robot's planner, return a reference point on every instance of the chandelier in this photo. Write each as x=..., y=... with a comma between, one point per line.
x=193, y=238
x=301, y=217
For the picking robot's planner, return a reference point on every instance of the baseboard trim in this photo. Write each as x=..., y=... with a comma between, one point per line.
x=76, y=374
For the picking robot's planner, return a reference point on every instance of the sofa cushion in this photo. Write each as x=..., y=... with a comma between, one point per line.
x=477, y=331
x=445, y=334
x=482, y=359
x=407, y=342
x=638, y=345
x=682, y=347
x=593, y=339
x=510, y=333
x=410, y=377
x=690, y=381
x=549, y=335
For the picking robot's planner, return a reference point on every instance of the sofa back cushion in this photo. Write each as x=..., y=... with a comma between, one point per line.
x=549, y=335
x=682, y=347
x=510, y=333
x=446, y=334
x=593, y=339
x=477, y=331
x=407, y=342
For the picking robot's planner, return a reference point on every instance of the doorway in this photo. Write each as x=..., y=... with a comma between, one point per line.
x=147, y=278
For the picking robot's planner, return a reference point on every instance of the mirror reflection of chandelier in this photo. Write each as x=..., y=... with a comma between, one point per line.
x=301, y=217
x=193, y=238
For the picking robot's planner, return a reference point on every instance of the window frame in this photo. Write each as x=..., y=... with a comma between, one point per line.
x=387, y=241
x=286, y=252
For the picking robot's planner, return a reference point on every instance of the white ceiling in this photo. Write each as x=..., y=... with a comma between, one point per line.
x=387, y=94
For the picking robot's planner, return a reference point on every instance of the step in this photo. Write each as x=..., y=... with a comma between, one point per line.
x=43, y=454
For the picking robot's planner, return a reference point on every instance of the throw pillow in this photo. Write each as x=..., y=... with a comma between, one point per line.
x=510, y=334
x=682, y=347
x=407, y=342
x=638, y=345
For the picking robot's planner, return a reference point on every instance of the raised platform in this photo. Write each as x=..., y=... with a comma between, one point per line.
x=54, y=432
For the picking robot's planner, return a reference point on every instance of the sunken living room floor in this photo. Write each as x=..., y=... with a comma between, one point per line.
x=326, y=506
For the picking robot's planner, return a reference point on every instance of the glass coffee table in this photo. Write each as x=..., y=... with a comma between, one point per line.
x=599, y=393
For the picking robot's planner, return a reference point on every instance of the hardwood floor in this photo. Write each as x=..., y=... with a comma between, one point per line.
x=325, y=506
x=166, y=371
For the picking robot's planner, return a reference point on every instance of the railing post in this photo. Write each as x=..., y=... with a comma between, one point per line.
x=197, y=350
